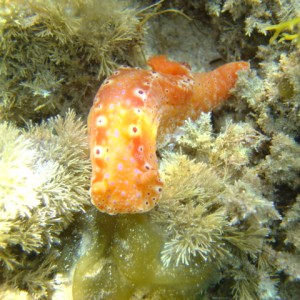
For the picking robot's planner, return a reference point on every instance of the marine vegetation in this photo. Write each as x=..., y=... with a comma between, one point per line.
x=44, y=183
x=207, y=227
x=242, y=25
x=123, y=262
x=288, y=25
x=54, y=52
x=207, y=212
x=273, y=95
x=227, y=223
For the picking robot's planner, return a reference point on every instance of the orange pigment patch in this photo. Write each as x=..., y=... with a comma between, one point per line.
x=130, y=109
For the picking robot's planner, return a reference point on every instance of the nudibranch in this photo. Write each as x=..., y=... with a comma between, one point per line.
x=135, y=109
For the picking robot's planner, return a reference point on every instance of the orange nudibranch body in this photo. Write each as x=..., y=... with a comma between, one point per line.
x=135, y=109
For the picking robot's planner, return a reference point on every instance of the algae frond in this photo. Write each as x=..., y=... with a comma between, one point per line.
x=53, y=53
x=287, y=25
x=44, y=183
x=190, y=211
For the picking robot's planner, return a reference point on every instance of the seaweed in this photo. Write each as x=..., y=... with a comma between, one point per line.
x=283, y=26
x=44, y=183
x=282, y=165
x=123, y=262
x=213, y=205
x=272, y=95
x=189, y=211
x=54, y=53
x=228, y=221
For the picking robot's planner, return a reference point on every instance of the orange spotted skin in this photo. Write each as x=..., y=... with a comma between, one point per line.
x=134, y=110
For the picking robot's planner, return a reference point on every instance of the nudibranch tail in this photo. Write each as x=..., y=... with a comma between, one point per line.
x=134, y=110
x=213, y=88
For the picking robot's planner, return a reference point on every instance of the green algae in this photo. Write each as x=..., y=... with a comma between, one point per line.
x=286, y=90
x=95, y=275
x=123, y=262
x=287, y=25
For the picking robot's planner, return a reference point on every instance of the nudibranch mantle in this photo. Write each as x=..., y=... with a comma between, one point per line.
x=135, y=109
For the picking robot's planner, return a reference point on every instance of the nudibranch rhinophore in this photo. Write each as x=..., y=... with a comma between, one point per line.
x=135, y=109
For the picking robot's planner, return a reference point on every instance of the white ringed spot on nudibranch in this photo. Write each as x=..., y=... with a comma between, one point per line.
x=130, y=111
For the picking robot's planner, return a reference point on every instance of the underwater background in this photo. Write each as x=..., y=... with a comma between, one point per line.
x=227, y=225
